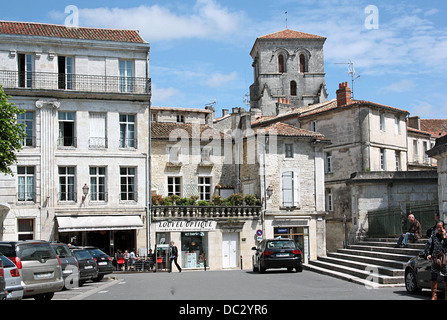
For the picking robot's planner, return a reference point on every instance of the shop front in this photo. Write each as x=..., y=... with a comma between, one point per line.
x=191, y=239
x=296, y=229
x=107, y=232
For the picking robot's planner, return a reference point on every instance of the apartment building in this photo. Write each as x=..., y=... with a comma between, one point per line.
x=82, y=174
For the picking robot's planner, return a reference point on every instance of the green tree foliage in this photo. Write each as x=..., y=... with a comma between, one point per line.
x=11, y=133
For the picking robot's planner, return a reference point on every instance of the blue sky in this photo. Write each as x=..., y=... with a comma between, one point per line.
x=200, y=48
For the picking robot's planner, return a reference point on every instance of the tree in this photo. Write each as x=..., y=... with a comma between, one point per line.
x=11, y=133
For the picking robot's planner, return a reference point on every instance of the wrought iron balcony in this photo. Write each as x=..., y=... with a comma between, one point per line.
x=74, y=82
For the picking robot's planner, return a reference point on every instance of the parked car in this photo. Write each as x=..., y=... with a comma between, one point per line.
x=418, y=276
x=277, y=253
x=14, y=288
x=3, y=292
x=88, y=269
x=69, y=264
x=39, y=267
x=103, y=260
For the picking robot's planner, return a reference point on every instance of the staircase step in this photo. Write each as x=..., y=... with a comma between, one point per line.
x=381, y=255
x=385, y=267
x=366, y=277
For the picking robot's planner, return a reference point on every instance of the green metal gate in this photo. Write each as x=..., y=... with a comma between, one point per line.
x=392, y=222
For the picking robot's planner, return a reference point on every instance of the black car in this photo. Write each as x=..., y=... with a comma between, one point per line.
x=277, y=253
x=103, y=260
x=2, y=282
x=417, y=274
x=88, y=269
x=69, y=264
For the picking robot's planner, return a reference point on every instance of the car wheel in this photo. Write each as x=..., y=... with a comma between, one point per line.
x=98, y=278
x=411, y=282
x=299, y=269
x=261, y=269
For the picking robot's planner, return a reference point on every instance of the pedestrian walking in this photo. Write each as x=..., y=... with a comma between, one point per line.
x=173, y=254
x=436, y=253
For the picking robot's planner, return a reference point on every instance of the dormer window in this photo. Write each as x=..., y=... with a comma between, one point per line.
x=180, y=118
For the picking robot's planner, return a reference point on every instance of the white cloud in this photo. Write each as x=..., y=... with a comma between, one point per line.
x=220, y=79
x=160, y=95
x=206, y=19
x=401, y=86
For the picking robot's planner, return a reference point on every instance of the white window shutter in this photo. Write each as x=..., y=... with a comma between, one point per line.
x=287, y=189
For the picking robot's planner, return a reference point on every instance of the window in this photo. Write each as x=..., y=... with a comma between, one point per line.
x=313, y=125
x=205, y=188
x=425, y=148
x=382, y=121
x=126, y=75
x=329, y=200
x=127, y=182
x=174, y=186
x=66, y=129
x=281, y=64
x=396, y=125
x=397, y=155
x=127, y=131
x=174, y=154
x=25, y=229
x=67, y=184
x=98, y=184
x=27, y=119
x=290, y=189
x=98, y=137
x=382, y=159
x=65, y=72
x=194, y=246
x=293, y=88
x=415, y=151
x=180, y=118
x=25, y=184
x=205, y=154
x=328, y=162
x=288, y=150
x=26, y=68
x=303, y=67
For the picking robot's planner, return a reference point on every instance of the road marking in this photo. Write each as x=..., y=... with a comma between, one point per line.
x=93, y=291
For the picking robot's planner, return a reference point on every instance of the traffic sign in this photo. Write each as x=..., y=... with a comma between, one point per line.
x=259, y=232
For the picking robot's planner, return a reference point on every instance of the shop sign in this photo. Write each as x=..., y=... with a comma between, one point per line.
x=184, y=226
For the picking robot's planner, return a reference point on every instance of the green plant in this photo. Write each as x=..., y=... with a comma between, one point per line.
x=184, y=202
x=193, y=200
x=157, y=200
x=203, y=203
x=236, y=199
x=251, y=200
x=216, y=200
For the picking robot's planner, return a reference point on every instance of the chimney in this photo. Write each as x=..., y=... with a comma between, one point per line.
x=343, y=94
x=224, y=112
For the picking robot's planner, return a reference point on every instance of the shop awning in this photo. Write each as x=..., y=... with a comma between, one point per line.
x=93, y=223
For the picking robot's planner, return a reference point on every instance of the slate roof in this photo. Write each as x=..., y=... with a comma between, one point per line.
x=60, y=31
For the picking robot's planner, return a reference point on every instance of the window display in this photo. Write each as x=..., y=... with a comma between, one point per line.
x=194, y=249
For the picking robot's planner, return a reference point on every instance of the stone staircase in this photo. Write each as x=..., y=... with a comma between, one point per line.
x=373, y=262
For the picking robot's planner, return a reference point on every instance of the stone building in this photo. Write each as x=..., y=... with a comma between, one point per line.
x=288, y=66
x=82, y=174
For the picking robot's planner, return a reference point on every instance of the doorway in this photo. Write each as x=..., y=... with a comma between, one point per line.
x=230, y=249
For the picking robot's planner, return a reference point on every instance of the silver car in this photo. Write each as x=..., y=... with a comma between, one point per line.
x=40, y=268
x=69, y=264
x=13, y=280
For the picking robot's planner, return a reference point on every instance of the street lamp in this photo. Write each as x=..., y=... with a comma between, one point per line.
x=269, y=191
x=85, y=189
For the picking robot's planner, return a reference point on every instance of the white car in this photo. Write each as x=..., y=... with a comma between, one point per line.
x=13, y=280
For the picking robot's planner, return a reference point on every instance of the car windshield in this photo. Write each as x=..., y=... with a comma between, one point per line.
x=82, y=255
x=35, y=251
x=281, y=244
x=62, y=250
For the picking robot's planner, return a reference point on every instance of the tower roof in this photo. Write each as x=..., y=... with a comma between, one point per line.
x=291, y=34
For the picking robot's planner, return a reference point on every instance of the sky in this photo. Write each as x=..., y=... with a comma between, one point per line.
x=200, y=49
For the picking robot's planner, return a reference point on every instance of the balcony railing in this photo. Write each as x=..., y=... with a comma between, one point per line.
x=74, y=82
x=206, y=211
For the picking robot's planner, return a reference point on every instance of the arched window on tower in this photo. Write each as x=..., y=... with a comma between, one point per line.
x=303, y=67
x=293, y=88
x=281, y=66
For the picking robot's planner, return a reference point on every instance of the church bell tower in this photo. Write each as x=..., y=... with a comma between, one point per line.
x=288, y=71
